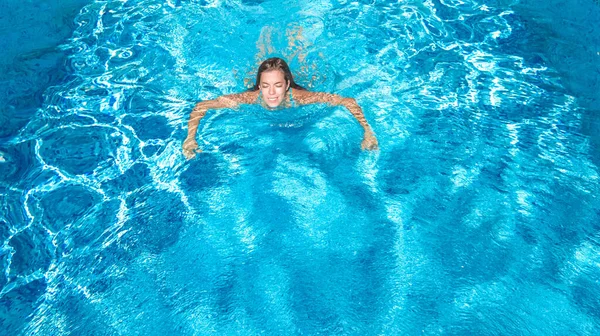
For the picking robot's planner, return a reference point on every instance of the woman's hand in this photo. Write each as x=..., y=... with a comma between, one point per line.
x=369, y=142
x=190, y=148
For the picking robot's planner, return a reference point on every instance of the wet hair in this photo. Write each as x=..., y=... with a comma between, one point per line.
x=276, y=63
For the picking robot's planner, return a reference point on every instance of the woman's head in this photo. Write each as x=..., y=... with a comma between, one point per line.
x=274, y=79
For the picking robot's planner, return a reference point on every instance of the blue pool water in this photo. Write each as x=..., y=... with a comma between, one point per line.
x=479, y=215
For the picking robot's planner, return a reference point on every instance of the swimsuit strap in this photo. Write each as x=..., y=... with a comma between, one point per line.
x=260, y=100
x=292, y=102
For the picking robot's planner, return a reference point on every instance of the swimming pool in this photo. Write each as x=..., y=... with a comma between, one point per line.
x=479, y=215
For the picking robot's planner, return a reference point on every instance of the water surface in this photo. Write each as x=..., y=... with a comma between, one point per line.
x=477, y=216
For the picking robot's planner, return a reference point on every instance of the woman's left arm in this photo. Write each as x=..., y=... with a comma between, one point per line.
x=307, y=97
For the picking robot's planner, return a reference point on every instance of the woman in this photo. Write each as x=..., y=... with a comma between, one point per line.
x=274, y=88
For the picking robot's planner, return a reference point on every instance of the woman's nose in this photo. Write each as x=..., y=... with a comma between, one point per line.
x=272, y=90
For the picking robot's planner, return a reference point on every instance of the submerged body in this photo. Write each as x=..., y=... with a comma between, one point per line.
x=274, y=88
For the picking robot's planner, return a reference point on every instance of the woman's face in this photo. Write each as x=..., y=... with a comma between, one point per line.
x=273, y=87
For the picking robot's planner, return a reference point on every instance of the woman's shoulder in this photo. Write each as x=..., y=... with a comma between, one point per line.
x=312, y=97
x=247, y=97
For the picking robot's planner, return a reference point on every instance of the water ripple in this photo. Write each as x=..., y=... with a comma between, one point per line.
x=478, y=209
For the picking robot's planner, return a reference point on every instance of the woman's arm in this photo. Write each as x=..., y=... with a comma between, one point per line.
x=308, y=97
x=190, y=146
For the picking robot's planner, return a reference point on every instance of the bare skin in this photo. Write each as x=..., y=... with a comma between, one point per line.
x=275, y=91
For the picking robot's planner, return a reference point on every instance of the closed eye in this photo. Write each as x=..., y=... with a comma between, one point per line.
x=278, y=85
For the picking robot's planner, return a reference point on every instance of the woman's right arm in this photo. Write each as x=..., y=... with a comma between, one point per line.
x=190, y=146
